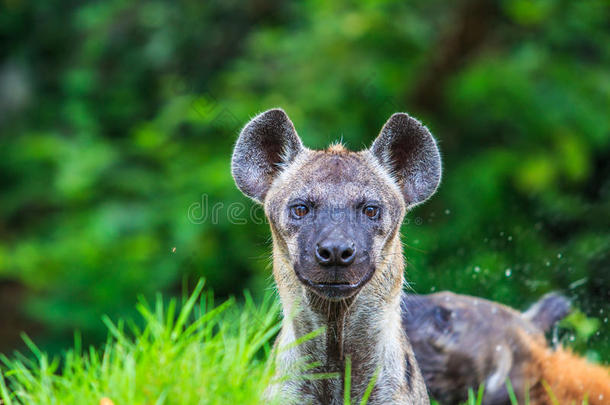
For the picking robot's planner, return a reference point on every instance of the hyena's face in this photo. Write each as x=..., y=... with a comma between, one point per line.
x=334, y=213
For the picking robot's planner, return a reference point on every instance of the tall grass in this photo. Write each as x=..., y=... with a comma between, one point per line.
x=199, y=354
x=192, y=353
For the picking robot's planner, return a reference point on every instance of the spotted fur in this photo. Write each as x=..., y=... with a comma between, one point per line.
x=401, y=169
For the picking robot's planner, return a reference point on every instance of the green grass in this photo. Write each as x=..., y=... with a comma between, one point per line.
x=200, y=354
x=193, y=353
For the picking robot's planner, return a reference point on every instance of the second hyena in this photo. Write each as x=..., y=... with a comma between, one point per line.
x=335, y=217
x=463, y=342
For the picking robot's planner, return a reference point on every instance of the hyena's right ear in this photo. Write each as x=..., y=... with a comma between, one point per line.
x=268, y=142
x=548, y=310
x=407, y=150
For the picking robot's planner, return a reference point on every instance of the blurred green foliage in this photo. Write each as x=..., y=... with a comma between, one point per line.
x=118, y=120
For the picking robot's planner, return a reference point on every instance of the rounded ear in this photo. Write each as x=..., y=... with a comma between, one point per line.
x=407, y=150
x=548, y=310
x=265, y=145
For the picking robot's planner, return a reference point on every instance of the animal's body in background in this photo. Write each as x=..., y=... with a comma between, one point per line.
x=462, y=342
x=335, y=217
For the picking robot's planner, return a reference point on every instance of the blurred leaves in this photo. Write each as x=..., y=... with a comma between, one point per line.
x=132, y=109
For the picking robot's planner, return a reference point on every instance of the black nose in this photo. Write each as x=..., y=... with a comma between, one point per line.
x=335, y=253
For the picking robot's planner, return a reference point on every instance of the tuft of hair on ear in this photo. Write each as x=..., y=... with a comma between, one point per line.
x=408, y=151
x=264, y=147
x=548, y=310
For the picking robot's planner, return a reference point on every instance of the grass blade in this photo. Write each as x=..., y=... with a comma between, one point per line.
x=186, y=310
x=369, y=388
x=549, y=391
x=347, y=389
x=480, y=394
x=4, y=395
x=511, y=392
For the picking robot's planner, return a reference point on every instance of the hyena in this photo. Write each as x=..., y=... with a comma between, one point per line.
x=461, y=342
x=335, y=217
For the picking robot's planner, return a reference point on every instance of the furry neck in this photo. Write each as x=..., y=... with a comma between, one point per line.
x=366, y=328
x=352, y=327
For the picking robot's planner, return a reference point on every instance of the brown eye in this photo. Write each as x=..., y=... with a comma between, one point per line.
x=371, y=211
x=299, y=211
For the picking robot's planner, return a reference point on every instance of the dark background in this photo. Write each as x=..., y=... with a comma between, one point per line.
x=117, y=121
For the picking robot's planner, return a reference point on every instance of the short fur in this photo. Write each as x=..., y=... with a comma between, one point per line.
x=400, y=170
x=569, y=379
x=462, y=342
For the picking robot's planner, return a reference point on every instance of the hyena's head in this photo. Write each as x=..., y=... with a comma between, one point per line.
x=335, y=214
x=462, y=342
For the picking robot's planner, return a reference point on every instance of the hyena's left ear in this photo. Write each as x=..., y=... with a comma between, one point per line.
x=268, y=142
x=408, y=151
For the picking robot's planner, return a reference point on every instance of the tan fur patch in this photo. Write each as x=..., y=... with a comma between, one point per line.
x=569, y=378
x=337, y=149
